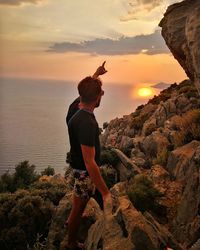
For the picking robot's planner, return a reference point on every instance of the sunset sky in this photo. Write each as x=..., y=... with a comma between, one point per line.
x=68, y=39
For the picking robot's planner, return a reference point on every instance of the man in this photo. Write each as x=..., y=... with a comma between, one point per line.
x=85, y=152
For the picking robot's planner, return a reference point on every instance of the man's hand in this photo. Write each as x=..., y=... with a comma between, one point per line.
x=100, y=70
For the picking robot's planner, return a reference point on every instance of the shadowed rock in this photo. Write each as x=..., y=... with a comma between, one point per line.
x=181, y=31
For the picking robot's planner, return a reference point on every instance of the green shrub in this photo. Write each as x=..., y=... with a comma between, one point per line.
x=49, y=191
x=143, y=194
x=162, y=157
x=48, y=171
x=140, y=116
x=23, y=216
x=109, y=175
x=6, y=183
x=23, y=176
x=140, y=107
x=108, y=156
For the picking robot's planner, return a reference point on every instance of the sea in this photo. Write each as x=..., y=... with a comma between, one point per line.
x=33, y=119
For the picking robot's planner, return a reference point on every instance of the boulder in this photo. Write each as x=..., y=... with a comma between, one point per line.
x=178, y=163
x=126, y=168
x=154, y=143
x=181, y=31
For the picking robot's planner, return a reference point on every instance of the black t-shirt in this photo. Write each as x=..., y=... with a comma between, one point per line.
x=83, y=129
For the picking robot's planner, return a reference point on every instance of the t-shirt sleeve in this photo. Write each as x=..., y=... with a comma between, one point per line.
x=86, y=135
x=73, y=108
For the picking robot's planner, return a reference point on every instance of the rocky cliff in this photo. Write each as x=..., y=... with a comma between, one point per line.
x=181, y=31
x=161, y=141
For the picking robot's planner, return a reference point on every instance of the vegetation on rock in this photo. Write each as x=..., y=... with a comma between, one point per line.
x=143, y=194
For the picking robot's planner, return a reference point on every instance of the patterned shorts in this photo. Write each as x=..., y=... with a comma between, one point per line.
x=83, y=186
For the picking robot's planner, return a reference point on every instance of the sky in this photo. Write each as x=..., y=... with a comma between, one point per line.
x=69, y=39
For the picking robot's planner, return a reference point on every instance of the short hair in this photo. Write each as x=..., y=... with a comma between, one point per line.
x=89, y=88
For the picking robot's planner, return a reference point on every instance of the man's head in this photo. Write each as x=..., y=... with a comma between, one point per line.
x=90, y=90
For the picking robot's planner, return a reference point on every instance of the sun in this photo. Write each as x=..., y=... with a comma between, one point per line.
x=143, y=92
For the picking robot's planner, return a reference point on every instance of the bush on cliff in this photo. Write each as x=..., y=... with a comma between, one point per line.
x=143, y=194
x=188, y=127
x=108, y=156
x=23, y=176
x=23, y=215
x=161, y=157
x=109, y=175
x=48, y=171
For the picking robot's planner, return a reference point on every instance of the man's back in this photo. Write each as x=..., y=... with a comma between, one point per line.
x=83, y=129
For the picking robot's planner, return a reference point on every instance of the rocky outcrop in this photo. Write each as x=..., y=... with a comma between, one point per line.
x=154, y=143
x=129, y=229
x=126, y=168
x=184, y=164
x=181, y=31
x=127, y=132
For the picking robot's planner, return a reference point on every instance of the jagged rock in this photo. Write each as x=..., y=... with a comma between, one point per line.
x=179, y=160
x=154, y=143
x=158, y=174
x=119, y=189
x=125, y=143
x=184, y=163
x=126, y=168
x=129, y=229
x=181, y=31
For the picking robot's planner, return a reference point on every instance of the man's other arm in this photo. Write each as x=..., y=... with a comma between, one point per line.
x=88, y=153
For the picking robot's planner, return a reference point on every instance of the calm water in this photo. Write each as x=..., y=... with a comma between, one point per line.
x=32, y=119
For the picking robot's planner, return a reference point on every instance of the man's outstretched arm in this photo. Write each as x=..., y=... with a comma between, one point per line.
x=100, y=70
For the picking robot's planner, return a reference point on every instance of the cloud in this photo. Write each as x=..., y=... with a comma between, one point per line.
x=18, y=2
x=147, y=4
x=140, y=9
x=146, y=44
x=146, y=10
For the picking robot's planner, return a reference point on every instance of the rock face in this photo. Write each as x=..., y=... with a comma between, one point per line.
x=181, y=31
x=184, y=164
x=129, y=229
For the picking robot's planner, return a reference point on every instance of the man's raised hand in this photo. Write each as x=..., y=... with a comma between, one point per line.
x=100, y=70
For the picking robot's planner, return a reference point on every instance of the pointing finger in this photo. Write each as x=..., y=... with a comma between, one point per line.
x=103, y=63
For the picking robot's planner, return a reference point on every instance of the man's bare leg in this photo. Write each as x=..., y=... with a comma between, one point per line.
x=75, y=219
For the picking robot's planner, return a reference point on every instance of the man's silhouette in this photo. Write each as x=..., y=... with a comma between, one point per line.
x=85, y=152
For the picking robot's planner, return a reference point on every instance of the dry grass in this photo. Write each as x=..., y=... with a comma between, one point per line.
x=188, y=127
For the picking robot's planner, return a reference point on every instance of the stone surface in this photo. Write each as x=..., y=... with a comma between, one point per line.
x=181, y=31
x=129, y=229
x=126, y=168
x=179, y=160
x=184, y=164
x=154, y=143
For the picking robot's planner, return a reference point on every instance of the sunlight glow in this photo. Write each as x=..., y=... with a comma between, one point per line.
x=145, y=92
